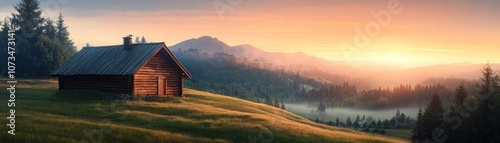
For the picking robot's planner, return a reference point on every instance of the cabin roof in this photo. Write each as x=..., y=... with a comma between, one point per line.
x=113, y=60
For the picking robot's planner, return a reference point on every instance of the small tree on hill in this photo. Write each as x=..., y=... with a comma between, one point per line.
x=283, y=105
x=276, y=103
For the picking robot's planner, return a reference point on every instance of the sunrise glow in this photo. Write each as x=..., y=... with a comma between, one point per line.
x=422, y=33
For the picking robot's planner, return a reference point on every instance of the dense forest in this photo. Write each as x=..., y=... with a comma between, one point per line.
x=235, y=76
x=41, y=44
x=473, y=115
x=347, y=95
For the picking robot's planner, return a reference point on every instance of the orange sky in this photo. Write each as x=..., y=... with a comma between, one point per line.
x=423, y=33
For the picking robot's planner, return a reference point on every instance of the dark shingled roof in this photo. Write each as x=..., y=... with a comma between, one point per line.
x=112, y=60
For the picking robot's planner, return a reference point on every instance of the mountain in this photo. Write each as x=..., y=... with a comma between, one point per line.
x=47, y=115
x=204, y=43
x=293, y=61
x=365, y=74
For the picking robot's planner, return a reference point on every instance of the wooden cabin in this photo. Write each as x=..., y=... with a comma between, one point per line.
x=136, y=69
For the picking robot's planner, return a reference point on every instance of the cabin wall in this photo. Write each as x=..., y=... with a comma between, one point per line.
x=161, y=65
x=113, y=84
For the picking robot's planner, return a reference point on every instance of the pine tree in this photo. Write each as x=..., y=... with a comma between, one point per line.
x=283, y=105
x=321, y=108
x=379, y=124
x=356, y=125
x=373, y=124
x=483, y=117
x=402, y=118
x=51, y=47
x=433, y=116
x=397, y=114
x=276, y=103
x=418, y=129
x=29, y=22
x=68, y=48
x=386, y=124
x=497, y=110
x=337, y=121
x=3, y=46
x=143, y=40
x=348, y=122
x=357, y=118
x=456, y=116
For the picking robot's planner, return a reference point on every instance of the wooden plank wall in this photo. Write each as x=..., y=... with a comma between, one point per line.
x=113, y=84
x=145, y=80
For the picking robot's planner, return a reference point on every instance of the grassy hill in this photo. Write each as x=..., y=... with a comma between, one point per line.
x=45, y=115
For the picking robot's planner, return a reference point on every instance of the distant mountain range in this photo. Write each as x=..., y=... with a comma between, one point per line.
x=372, y=75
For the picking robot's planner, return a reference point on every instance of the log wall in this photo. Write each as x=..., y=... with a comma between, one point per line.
x=146, y=78
x=114, y=84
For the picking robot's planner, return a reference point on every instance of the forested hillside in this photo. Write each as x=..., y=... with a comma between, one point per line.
x=236, y=76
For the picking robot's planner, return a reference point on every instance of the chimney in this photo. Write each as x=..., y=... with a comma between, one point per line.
x=127, y=42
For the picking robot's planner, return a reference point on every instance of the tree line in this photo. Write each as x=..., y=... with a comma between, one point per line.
x=369, y=124
x=41, y=44
x=347, y=95
x=473, y=115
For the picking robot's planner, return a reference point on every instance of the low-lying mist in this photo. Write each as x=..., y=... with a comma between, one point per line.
x=342, y=113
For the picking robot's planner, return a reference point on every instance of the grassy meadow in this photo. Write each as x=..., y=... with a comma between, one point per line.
x=45, y=115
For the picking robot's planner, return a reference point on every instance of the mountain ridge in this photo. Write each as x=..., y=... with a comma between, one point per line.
x=305, y=63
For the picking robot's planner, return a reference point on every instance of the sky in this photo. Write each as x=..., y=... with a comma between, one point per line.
x=397, y=32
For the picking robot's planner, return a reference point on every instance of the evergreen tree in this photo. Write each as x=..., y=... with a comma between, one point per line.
x=143, y=40
x=402, y=118
x=379, y=124
x=418, y=129
x=276, y=103
x=433, y=117
x=398, y=114
x=356, y=125
x=483, y=117
x=68, y=48
x=29, y=22
x=321, y=108
x=393, y=121
x=51, y=48
x=283, y=105
x=357, y=118
x=3, y=47
x=496, y=107
x=455, y=122
x=337, y=121
x=373, y=124
x=386, y=124
x=348, y=122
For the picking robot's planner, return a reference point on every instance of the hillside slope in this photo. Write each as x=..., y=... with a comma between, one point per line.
x=45, y=115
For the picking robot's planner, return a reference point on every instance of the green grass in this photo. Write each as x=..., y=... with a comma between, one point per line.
x=45, y=115
x=399, y=133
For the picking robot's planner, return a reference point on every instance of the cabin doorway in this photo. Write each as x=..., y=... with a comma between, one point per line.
x=162, y=86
